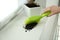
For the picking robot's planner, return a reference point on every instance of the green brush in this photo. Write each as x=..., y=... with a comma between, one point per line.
x=33, y=20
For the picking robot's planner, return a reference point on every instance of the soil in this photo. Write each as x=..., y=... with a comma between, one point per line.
x=32, y=5
x=30, y=26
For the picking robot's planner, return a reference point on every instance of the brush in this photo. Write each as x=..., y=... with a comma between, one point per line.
x=32, y=21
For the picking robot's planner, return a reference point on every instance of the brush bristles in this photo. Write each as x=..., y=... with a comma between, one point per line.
x=31, y=25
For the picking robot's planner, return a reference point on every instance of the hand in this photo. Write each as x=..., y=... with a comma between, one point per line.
x=54, y=10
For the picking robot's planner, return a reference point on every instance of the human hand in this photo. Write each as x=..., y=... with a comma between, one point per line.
x=54, y=10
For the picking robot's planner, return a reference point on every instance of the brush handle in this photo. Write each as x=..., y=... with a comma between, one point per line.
x=45, y=14
x=37, y=18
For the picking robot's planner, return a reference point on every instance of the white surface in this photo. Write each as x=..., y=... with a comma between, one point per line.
x=59, y=19
x=7, y=7
x=20, y=2
x=59, y=32
x=51, y=2
x=51, y=23
x=15, y=31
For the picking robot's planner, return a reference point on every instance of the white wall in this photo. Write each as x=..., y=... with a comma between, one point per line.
x=20, y=2
x=7, y=7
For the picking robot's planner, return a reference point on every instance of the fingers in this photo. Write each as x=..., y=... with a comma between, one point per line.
x=53, y=9
x=51, y=14
x=46, y=9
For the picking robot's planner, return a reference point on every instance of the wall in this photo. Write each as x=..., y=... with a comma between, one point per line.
x=7, y=7
x=20, y=2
